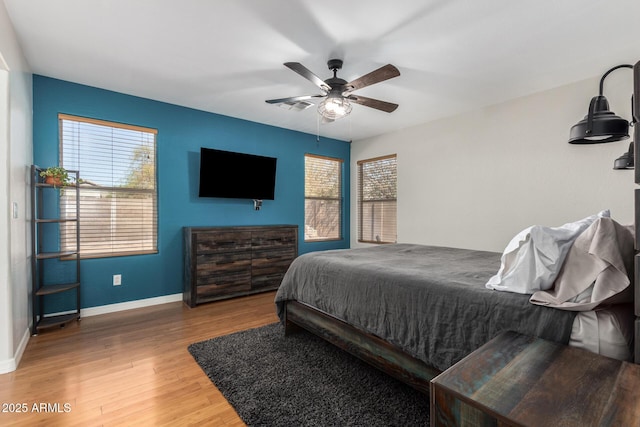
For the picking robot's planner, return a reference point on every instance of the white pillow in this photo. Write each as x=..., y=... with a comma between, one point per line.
x=533, y=258
x=598, y=269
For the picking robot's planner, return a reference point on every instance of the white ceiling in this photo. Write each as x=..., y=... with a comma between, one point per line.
x=226, y=56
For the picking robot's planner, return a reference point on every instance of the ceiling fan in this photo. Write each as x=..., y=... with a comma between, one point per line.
x=337, y=92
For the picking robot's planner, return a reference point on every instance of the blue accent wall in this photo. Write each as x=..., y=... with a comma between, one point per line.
x=181, y=133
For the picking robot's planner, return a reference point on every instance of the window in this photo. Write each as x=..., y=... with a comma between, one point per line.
x=118, y=196
x=377, y=200
x=322, y=198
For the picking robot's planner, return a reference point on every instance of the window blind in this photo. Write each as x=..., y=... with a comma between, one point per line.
x=377, y=200
x=118, y=195
x=323, y=198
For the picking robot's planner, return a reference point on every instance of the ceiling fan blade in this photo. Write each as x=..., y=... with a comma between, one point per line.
x=293, y=99
x=381, y=74
x=307, y=74
x=373, y=103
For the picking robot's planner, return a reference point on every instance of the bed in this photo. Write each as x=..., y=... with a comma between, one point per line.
x=415, y=310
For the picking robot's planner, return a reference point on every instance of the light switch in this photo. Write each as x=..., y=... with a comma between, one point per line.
x=15, y=210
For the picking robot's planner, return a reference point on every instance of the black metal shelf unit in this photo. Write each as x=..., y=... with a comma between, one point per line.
x=45, y=212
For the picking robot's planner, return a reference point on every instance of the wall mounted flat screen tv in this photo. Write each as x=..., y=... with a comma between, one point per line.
x=234, y=175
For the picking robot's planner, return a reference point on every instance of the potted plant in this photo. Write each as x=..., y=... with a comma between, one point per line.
x=56, y=176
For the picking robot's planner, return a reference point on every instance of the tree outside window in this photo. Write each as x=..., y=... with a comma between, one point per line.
x=323, y=198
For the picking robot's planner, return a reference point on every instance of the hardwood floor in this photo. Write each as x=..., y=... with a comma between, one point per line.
x=128, y=368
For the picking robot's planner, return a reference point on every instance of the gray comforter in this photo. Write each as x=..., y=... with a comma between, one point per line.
x=429, y=301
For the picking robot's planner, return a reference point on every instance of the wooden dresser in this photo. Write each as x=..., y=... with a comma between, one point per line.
x=224, y=262
x=517, y=380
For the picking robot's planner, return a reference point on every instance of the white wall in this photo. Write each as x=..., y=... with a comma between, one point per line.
x=15, y=154
x=475, y=180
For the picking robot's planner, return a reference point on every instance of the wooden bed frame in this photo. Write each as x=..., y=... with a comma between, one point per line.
x=397, y=363
x=364, y=345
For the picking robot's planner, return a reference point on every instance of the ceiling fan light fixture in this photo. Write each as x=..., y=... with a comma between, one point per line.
x=334, y=107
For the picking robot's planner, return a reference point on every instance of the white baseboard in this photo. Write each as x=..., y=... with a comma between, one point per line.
x=8, y=365
x=129, y=305
x=11, y=365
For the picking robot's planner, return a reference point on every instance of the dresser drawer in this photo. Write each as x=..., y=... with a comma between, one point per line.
x=222, y=241
x=215, y=267
x=272, y=239
x=223, y=284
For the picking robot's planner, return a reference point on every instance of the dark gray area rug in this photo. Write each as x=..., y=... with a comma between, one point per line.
x=302, y=380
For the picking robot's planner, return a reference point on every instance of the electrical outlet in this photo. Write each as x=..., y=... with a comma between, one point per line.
x=117, y=279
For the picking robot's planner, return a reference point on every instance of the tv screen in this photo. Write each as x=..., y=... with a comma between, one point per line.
x=236, y=175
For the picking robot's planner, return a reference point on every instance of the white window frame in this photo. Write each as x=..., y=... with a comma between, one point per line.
x=382, y=214
x=316, y=231
x=117, y=217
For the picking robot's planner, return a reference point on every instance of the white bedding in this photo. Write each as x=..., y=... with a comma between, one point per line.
x=607, y=331
x=598, y=269
x=533, y=258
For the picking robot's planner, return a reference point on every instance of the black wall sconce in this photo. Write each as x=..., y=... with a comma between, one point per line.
x=601, y=125
x=626, y=161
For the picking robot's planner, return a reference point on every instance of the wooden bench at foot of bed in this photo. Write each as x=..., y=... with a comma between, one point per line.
x=365, y=346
